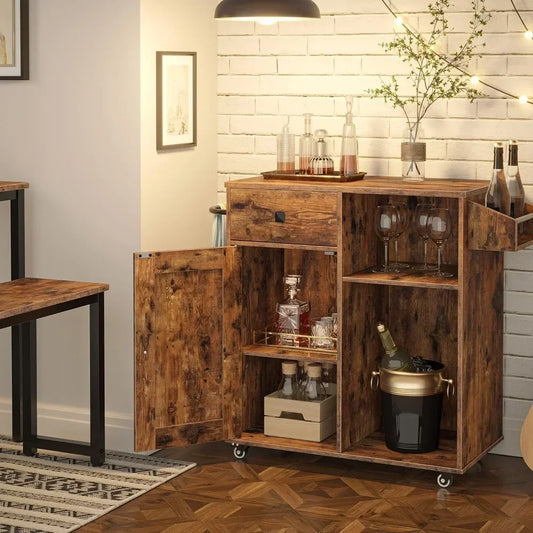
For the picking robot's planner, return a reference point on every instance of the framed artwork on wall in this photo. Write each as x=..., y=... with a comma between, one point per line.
x=176, y=100
x=14, y=40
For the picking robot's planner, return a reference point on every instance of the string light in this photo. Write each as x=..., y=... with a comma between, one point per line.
x=528, y=35
x=474, y=80
x=399, y=21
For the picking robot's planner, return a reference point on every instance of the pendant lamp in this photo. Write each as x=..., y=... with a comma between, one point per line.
x=267, y=11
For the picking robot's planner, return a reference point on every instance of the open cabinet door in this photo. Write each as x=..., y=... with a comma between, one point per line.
x=188, y=362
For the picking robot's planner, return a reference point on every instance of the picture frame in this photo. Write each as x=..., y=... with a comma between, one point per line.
x=14, y=40
x=176, y=100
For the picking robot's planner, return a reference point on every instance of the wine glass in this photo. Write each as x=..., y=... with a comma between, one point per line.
x=420, y=224
x=385, y=224
x=402, y=212
x=439, y=226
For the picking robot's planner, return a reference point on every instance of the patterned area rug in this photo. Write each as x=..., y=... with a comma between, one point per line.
x=57, y=493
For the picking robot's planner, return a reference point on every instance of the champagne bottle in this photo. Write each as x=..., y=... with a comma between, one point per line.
x=497, y=196
x=394, y=357
x=514, y=183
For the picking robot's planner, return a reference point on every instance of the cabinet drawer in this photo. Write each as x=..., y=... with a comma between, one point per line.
x=279, y=216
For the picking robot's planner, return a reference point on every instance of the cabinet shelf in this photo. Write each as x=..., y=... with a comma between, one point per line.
x=407, y=279
x=371, y=449
x=286, y=352
x=258, y=438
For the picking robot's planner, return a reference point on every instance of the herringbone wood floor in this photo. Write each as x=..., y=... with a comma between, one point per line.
x=284, y=492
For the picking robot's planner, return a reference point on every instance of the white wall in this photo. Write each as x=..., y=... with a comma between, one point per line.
x=293, y=68
x=178, y=186
x=72, y=131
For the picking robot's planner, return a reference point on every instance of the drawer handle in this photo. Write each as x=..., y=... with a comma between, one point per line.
x=279, y=216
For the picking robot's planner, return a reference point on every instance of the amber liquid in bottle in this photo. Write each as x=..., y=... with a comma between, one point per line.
x=348, y=165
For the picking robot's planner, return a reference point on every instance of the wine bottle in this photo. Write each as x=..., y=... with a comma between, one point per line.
x=394, y=357
x=514, y=183
x=497, y=196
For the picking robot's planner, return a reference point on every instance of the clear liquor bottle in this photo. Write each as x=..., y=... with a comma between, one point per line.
x=314, y=388
x=328, y=378
x=292, y=315
x=514, y=182
x=307, y=147
x=394, y=358
x=321, y=164
x=288, y=388
x=349, y=143
x=497, y=196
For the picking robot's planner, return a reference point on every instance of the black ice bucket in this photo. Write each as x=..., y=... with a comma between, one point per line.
x=412, y=407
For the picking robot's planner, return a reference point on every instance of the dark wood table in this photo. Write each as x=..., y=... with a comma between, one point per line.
x=13, y=191
x=22, y=302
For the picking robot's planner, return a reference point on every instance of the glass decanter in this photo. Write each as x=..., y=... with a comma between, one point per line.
x=321, y=164
x=349, y=143
x=292, y=315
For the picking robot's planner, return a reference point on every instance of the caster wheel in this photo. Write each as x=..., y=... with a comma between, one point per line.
x=444, y=481
x=240, y=452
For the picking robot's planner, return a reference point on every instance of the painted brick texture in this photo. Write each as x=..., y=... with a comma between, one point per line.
x=266, y=72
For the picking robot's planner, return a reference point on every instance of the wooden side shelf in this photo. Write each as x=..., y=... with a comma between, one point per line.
x=407, y=279
x=492, y=231
x=286, y=352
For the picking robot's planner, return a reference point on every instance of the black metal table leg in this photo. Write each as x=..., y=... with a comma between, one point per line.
x=29, y=386
x=97, y=381
x=17, y=271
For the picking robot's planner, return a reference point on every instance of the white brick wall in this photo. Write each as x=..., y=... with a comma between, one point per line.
x=266, y=72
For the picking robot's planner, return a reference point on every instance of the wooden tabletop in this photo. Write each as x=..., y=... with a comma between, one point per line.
x=445, y=188
x=30, y=294
x=6, y=186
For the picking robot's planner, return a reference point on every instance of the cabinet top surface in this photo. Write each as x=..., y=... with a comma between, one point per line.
x=6, y=186
x=30, y=294
x=450, y=188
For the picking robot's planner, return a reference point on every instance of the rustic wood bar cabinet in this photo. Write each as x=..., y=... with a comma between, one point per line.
x=201, y=377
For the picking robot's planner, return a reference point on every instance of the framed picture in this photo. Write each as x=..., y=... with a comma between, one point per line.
x=14, y=37
x=176, y=100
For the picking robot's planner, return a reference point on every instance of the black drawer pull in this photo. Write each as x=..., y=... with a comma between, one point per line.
x=279, y=216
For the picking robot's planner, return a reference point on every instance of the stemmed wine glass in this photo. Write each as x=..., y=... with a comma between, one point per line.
x=402, y=221
x=439, y=226
x=420, y=223
x=385, y=224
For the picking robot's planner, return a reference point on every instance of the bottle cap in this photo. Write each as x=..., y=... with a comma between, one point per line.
x=288, y=368
x=381, y=327
x=314, y=370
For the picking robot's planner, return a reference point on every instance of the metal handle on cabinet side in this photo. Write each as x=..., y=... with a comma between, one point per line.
x=374, y=380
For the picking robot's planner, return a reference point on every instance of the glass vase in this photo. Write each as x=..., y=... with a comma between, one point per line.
x=413, y=152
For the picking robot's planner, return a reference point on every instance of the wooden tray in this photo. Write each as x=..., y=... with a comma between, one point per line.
x=296, y=176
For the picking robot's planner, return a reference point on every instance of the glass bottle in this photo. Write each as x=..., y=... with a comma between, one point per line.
x=394, y=358
x=497, y=196
x=292, y=315
x=301, y=377
x=286, y=155
x=514, y=183
x=349, y=143
x=413, y=152
x=288, y=388
x=321, y=164
x=314, y=388
x=307, y=147
x=328, y=379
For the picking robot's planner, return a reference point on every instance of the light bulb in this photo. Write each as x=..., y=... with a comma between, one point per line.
x=398, y=21
x=267, y=21
x=523, y=99
x=474, y=80
x=528, y=35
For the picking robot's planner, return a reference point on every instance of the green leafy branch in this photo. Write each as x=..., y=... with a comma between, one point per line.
x=433, y=75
